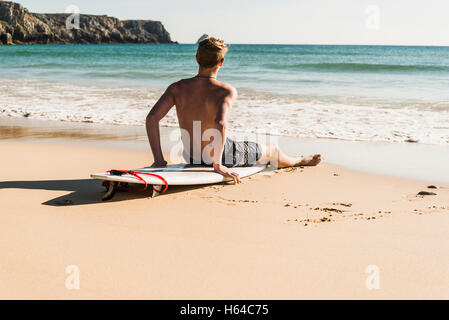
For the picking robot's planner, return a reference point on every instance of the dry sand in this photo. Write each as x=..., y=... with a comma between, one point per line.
x=288, y=234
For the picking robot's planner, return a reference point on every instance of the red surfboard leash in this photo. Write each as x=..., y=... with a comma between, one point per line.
x=137, y=175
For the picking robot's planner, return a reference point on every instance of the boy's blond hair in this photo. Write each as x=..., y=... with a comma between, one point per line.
x=210, y=52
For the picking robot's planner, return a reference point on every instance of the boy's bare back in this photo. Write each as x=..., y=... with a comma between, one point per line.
x=199, y=99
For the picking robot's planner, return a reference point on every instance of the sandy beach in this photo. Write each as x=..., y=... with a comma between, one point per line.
x=357, y=91
x=301, y=233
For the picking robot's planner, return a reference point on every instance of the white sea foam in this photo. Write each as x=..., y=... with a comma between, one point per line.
x=253, y=113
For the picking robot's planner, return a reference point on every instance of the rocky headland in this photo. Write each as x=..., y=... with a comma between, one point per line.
x=19, y=26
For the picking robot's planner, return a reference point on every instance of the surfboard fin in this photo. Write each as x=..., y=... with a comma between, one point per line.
x=156, y=191
x=112, y=189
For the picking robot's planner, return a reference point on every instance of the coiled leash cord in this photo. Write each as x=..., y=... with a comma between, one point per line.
x=137, y=175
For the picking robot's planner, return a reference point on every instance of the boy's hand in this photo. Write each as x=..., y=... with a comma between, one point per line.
x=226, y=172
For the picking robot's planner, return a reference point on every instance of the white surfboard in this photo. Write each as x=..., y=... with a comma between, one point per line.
x=179, y=174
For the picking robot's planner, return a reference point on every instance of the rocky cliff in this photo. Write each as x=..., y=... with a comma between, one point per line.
x=18, y=26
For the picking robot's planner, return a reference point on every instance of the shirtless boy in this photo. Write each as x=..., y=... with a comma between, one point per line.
x=203, y=105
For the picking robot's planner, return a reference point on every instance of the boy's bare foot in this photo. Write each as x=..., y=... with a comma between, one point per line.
x=311, y=160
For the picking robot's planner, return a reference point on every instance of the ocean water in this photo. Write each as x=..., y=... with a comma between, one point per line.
x=360, y=93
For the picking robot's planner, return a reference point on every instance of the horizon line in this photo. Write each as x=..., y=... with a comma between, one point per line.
x=246, y=44
x=330, y=44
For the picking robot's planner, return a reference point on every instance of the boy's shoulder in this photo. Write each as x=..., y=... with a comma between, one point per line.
x=227, y=88
x=180, y=83
x=224, y=88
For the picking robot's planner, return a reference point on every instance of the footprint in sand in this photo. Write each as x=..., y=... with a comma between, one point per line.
x=232, y=202
x=328, y=210
x=426, y=193
x=347, y=205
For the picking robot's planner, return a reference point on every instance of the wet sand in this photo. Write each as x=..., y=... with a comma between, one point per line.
x=404, y=160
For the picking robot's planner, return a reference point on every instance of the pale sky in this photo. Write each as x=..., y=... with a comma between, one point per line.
x=388, y=22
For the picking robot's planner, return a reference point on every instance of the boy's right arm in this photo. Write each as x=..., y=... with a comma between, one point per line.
x=160, y=109
x=221, y=122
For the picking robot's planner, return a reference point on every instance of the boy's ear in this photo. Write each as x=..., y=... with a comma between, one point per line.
x=221, y=62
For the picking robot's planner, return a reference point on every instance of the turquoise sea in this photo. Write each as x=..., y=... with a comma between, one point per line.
x=370, y=93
